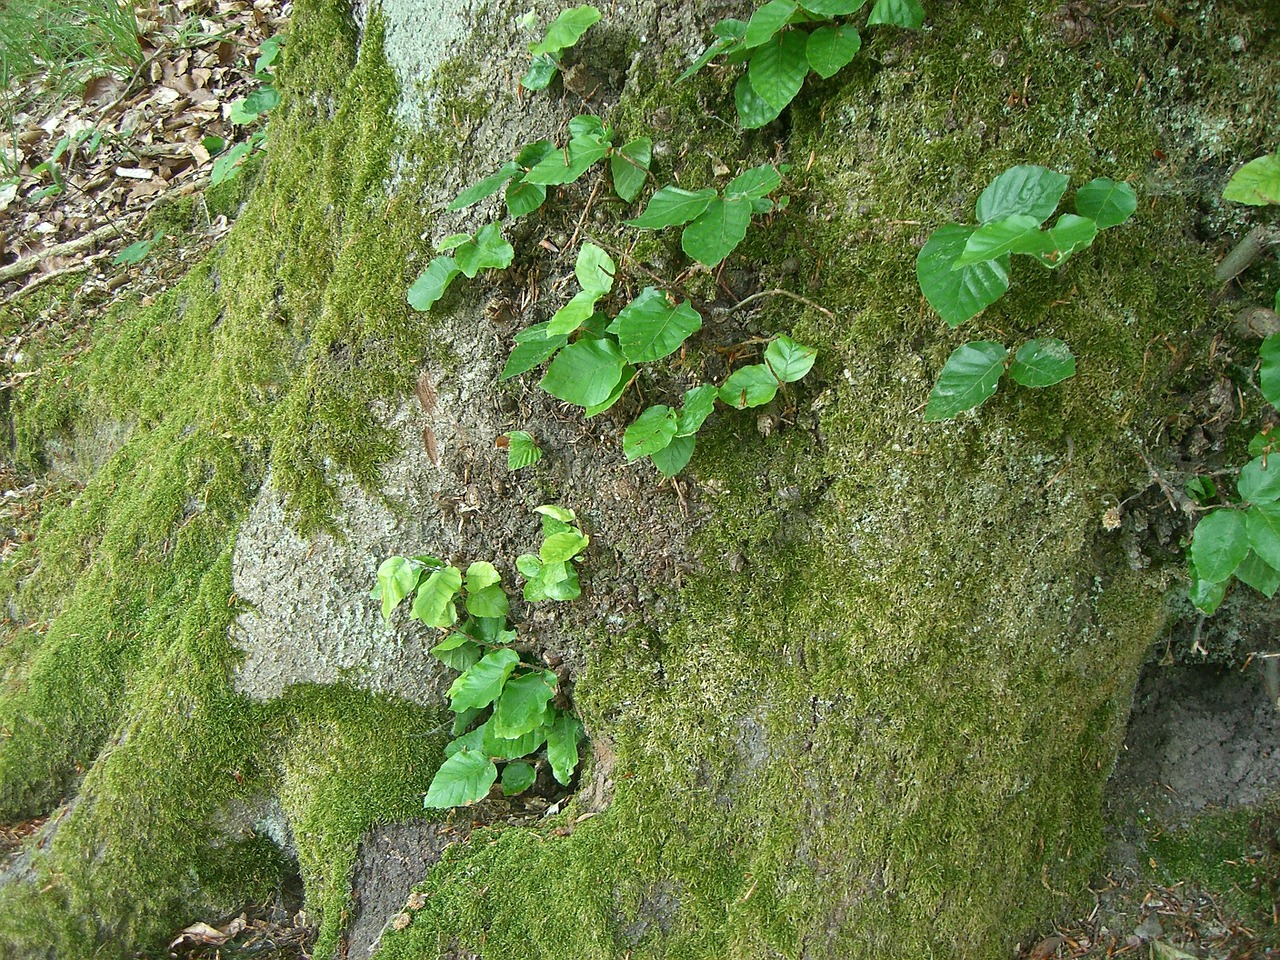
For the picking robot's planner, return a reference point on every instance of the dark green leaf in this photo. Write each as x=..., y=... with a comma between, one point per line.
x=463, y=779
x=717, y=230
x=262, y=100
x=574, y=313
x=1042, y=363
x=788, y=360
x=482, y=684
x=778, y=68
x=628, y=374
x=486, y=187
x=995, y=239
x=673, y=458
x=488, y=602
x=650, y=327
x=534, y=153
x=457, y=652
x=585, y=372
x=1053, y=247
x=524, y=198
x=523, y=702
x=487, y=250
x=1269, y=375
x=517, y=778
x=433, y=604
x=460, y=723
x=1201, y=489
x=562, y=746
x=1205, y=594
x=1260, y=480
x=1262, y=523
x=671, y=207
x=1027, y=189
x=502, y=748
x=568, y=165
x=1106, y=202
x=587, y=125
x=698, y=405
x=135, y=252
x=224, y=168
x=1256, y=183
x=1218, y=544
x=754, y=111
x=968, y=378
x=653, y=430
x=833, y=8
x=522, y=450
x=767, y=21
x=898, y=13
x=532, y=347
x=830, y=49
x=751, y=386
x=566, y=29
x=756, y=183
x=630, y=168
x=958, y=295
x=1258, y=574
x=432, y=283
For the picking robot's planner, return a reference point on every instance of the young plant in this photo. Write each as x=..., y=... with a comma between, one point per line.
x=502, y=704
x=550, y=574
x=785, y=40
x=963, y=269
x=717, y=222
x=250, y=109
x=522, y=450
x=486, y=250
x=543, y=164
x=565, y=31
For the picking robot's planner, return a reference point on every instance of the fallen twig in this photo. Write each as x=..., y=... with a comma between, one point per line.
x=21, y=268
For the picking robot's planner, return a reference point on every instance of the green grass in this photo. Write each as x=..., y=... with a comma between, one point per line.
x=66, y=41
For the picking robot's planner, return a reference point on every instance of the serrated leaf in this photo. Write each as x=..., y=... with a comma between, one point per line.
x=958, y=295
x=1260, y=480
x=562, y=746
x=767, y=21
x=787, y=360
x=523, y=198
x=520, y=708
x=674, y=457
x=1218, y=544
x=754, y=111
x=629, y=166
x=482, y=684
x=994, y=240
x=486, y=187
x=585, y=372
x=698, y=405
x=1206, y=595
x=432, y=283
x=1256, y=183
x=522, y=450
x=751, y=386
x=778, y=68
x=650, y=327
x=1106, y=202
x=566, y=29
x=968, y=378
x=653, y=430
x=532, y=347
x=433, y=604
x=594, y=269
x=757, y=182
x=567, y=166
x=831, y=49
x=1262, y=524
x=517, y=778
x=672, y=206
x=486, y=251
x=624, y=381
x=833, y=8
x=899, y=13
x=397, y=577
x=1258, y=574
x=1042, y=363
x=1026, y=189
x=1269, y=375
x=463, y=779
x=717, y=230
x=561, y=547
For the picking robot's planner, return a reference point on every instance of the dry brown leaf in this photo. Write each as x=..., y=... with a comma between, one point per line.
x=102, y=89
x=426, y=393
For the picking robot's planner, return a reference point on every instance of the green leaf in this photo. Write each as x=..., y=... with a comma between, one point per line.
x=787, y=360
x=719, y=46
x=568, y=165
x=532, y=347
x=1262, y=523
x=482, y=684
x=482, y=574
x=717, y=230
x=698, y=405
x=588, y=125
x=473, y=740
x=995, y=239
x=224, y=168
x=833, y=8
x=1260, y=480
x=573, y=314
x=488, y=601
x=561, y=588
x=671, y=207
x=1218, y=544
x=898, y=13
x=502, y=748
x=432, y=283
x=958, y=295
x=517, y=778
x=585, y=372
x=463, y=779
x=830, y=49
x=240, y=113
x=487, y=250
x=522, y=450
x=653, y=430
x=751, y=386
x=1201, y=489
x=1027, y=189
x=650, y=327
x=529, y=566
x=756, y=182
x=524, y=198
x=1258, y=574
x=968, y=378
x=486, y=187
x=562, y=746
x=262, y=100
x=1053, y=247
x=566, y=29
x=434, y=603
x=778, y=68
x=1042, y=363
x=489, y=630
x=624, y=381
x=560, y=547
x=1256, y=183
x=457, y=651
x=754, y=111
x=523, y=702
x=674, y=457
x=1106, y=202
x=1269, y=375
x=1205, y=594
x=594, y=269
x=549, y=511
x=629, y=166
x=135, y=252
x=396, y=577
x=532, y=154
x=767, y=21
x=452, y=242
